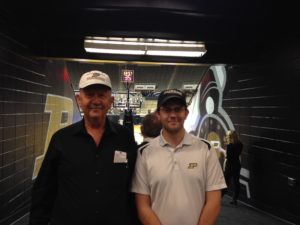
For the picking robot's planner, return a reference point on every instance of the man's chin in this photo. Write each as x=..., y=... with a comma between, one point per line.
x=96, y=119
x=173, y=129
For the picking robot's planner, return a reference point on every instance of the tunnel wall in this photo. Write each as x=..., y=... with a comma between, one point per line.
x=261, y=102
x=36, y=99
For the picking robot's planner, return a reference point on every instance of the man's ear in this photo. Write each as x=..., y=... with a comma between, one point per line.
x=112, y=99
x=157, y=112
x=78, y=99
x=186, y=113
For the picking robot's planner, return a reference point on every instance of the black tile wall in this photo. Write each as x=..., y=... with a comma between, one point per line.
x=261, y=106
x=24, y=85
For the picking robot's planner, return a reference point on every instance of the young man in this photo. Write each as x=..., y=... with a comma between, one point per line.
x=85, y=176
x=178, y=178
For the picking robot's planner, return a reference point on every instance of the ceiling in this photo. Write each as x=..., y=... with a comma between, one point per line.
x=235, y=31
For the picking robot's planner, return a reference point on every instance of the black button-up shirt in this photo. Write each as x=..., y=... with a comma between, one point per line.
x=81, y=183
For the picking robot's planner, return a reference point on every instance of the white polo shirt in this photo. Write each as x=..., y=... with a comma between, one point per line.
x=176, y=179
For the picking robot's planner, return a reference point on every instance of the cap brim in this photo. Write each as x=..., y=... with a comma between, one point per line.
x=96, y=84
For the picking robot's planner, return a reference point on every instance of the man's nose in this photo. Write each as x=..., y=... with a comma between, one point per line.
x=172, y=112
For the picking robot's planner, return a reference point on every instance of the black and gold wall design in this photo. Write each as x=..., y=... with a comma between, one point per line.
x=208, y=119
x=36, y=99
x=260, y=102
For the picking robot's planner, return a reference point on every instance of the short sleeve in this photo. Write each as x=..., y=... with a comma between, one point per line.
x=215, y=177
x=140, y=182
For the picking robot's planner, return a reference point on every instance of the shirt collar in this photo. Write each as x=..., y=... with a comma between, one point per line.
x=147, y=139
x=80, y=128
x=187, y=140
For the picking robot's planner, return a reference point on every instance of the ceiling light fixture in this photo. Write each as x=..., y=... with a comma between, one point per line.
x=144, y=46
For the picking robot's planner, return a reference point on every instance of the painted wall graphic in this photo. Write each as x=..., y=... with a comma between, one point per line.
x=207, y=118
x=259, y=102
x=60, y=109
x=36, y=99
x=33, y=106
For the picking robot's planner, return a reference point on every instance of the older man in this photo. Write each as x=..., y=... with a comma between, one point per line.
x=85, y=176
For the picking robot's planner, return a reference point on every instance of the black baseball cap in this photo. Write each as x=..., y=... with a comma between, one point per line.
x=169, y=94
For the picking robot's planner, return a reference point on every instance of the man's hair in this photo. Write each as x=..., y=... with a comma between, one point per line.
x=151, y=125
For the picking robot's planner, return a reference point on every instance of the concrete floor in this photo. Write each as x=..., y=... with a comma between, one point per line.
x=230, y=215
x=245, y=215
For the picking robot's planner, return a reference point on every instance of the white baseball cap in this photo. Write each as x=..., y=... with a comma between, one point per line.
x=94, y=77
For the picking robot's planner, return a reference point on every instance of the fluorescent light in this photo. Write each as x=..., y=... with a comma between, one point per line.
x=144, y=46
x=115, y=51
x=176, y=53
x=136, y=43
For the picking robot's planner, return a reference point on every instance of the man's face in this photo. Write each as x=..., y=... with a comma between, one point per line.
x=172, y=116
x=95, y=101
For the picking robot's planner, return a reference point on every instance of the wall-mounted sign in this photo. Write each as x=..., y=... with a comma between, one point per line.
x=189, y=86
x=144, y=87
x=128, y=76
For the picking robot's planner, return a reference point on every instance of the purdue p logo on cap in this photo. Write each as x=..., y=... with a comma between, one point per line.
x=94, y=77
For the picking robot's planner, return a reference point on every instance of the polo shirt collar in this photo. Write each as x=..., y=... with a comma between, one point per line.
x=187, y=140
x=147, y=139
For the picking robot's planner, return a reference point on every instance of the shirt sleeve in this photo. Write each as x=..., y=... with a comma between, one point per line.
x=45, y=187
x=215, y=177
x=140, y=182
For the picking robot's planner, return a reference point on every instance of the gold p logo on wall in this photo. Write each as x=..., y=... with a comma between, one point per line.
x=61, y=114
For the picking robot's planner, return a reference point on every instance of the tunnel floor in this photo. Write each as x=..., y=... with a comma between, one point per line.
x=241, y=214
